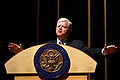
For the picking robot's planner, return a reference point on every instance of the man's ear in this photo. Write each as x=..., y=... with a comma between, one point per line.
x=70, y=30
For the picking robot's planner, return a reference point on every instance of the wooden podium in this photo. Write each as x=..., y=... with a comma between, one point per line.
x=22, y=65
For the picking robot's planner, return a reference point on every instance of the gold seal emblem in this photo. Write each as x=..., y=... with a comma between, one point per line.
x=51, y=60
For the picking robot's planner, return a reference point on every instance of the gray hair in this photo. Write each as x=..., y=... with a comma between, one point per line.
x=65, y=20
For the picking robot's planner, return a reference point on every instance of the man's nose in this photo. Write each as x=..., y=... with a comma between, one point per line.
x=60, y=27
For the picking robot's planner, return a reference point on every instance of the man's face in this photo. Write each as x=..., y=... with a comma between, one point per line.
x=62, y=30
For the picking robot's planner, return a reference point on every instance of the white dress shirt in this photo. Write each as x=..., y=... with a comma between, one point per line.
x=60, y=42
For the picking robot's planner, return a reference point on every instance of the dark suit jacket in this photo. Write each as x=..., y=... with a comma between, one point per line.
x=93, y=52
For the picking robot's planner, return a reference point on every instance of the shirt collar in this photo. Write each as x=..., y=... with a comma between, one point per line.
x=59, y=41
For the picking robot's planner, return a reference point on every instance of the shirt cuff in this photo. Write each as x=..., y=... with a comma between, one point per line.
x=103, y=51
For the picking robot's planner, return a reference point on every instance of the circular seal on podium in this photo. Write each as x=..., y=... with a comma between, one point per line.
x=51, y=61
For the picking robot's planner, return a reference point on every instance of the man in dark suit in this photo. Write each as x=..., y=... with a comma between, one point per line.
x=63, y=30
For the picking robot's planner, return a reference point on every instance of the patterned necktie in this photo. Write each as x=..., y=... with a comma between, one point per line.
x=61, y=43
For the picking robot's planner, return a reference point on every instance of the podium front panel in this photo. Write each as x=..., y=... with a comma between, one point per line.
x=23, y=62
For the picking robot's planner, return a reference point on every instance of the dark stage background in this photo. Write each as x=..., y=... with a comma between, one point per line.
x=26, y=22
